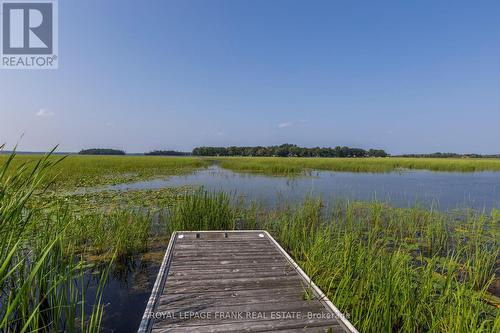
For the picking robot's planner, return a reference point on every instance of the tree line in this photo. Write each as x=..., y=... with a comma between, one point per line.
x=166, y=153
x=285, y=150
x=288, y=150
x=101, y=151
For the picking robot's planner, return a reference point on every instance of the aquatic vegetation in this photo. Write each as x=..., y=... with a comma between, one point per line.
x=202, y=211
x=54, y=248
x=38, y=269
x=389, y=269
x=120, y=232
x=84, y=171
x=292, y=165
x=89, y=171
x=110, y=200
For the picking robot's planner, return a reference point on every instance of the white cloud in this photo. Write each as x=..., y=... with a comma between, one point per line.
x=44, y=113
x=108, y=124
x=220, y=133
x=285, y=124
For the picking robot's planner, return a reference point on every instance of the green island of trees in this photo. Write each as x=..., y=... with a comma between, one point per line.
x=288, y=150
x=101, y=151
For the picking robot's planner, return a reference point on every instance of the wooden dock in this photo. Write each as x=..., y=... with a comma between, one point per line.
x=235, y=281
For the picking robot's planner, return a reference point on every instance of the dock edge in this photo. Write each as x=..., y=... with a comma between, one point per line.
x=148, y=320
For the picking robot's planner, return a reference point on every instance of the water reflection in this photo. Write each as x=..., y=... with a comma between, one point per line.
x=131, y=280
x=445, y=190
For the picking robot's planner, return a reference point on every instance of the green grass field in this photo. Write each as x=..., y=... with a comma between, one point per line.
x=279, y=165
x=82, y=170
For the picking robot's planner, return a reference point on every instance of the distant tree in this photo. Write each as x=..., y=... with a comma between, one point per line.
x=166, y=153
x=287, y=150
x=377, y=153
x=101, y=151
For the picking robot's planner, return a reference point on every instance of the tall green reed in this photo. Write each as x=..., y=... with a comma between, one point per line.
x=389, y=269
x=202, y=211
x=37, y=268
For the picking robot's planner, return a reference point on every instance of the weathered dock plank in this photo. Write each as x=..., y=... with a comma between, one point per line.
x=236, y=281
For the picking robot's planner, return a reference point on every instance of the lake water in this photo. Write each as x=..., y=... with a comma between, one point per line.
x=129, y=285
x=442, y=190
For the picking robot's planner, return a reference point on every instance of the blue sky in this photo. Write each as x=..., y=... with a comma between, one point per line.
x=405, y=76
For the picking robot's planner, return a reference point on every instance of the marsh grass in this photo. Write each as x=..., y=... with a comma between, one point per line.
x=38, y=268
x=294, y=165
x=389, y=269
x=119, y=232
x=84, y=171
x=202, y=211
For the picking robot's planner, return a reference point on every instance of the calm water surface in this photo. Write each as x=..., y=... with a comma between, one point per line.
x=444, y=190
x=129, y=285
